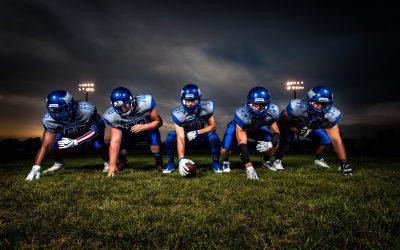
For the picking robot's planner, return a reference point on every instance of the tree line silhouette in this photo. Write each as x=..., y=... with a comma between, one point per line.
x=386, y=142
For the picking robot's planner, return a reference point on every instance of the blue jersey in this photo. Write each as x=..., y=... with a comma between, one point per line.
x=248, y=122
x=193, y=122
x=144, y=105
x=299, y=115
x=84, y=120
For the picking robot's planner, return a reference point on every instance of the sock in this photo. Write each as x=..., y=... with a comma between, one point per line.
x=215, y=159
x=170, y=158
x=266, y=158
x=58, y=160
x=158, y=158
x=278, y=157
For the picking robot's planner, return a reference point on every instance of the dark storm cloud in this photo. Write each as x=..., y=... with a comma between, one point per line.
x=225, y=48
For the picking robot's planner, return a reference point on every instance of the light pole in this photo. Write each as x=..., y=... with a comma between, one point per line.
x=293, y=85
x=86, y=87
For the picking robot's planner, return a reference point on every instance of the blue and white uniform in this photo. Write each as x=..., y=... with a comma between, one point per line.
x=144, y=105
x=300, y=116
x=85, y=125
x=257, y=128
x=191, y=122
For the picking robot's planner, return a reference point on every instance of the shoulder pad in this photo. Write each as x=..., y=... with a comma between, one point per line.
x=333, y=115
x=110, y=116
x=273, y=110
x=49, y=123
x=207, y=107
x=242, y=116
x=296, y=107
x=144, y=103
x=178, y=115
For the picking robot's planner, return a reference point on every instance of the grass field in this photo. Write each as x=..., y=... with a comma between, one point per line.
x=303, y=208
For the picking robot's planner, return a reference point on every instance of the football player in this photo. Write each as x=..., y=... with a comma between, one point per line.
x=316, y=118
x=255, y=120
x=193, y=120
x=132, y=120
x=68, y=123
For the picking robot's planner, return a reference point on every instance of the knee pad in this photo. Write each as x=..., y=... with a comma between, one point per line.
x=244, y=153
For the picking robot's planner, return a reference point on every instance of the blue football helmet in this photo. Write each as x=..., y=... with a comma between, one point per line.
x=321, y=95
x=60, y=105
x=191, y=92
x=122, y=101
x=259, y=96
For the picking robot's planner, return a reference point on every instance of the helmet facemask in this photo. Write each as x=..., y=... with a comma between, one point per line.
x=123, y=108
x=191, y=98
x=258, y=109
x=60, y=106
x=258, y=101
x=122, y=101
x=320, y=100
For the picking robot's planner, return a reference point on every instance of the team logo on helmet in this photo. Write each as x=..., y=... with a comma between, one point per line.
x=259, y=100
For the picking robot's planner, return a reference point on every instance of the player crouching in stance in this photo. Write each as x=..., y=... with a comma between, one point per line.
x=195, y=119
x=67, y=124
x=313, y=117
x=255, y=120
x=132, y=119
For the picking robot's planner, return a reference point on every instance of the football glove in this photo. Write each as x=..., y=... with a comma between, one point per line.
x=345, y=168
x=263, y=146
x=183, y=169
x=34, y=174
x=251, y=173
x=304, y=131
x=192, y=135
x=67, y=143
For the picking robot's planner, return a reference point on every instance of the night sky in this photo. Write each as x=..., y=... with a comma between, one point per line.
x=225, y=48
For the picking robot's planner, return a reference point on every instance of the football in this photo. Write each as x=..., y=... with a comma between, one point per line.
x=192, y=170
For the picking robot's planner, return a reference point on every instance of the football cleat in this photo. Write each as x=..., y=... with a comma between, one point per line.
x=217, y=168
x=169, y=168
x=251, y=173
x=268, y=165
x=321, y=163
x=159, y=167
x=106, y=167
x=55, y=167
x=226, y=166
x=278, y=165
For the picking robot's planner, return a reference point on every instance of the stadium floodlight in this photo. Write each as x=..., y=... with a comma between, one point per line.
x=86, y=87
x=294, y=85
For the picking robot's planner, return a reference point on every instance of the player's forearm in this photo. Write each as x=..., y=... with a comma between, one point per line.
x=180, y=146
x=284, y=124
x=86, y=137
x=113, y=152
x=207, y=129
x=152, y=125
